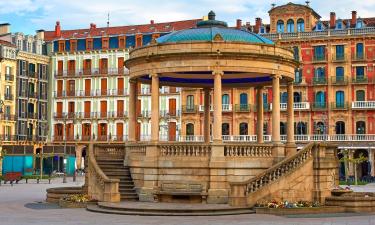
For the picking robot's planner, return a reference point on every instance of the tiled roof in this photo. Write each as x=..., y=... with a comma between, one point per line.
x=145, y=28
x=2, y=42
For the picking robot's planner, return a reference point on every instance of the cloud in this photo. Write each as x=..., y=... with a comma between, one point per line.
x=74, y=14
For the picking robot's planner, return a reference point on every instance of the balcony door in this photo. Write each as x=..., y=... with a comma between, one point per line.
x=103, y=66
x=340, y=99
x=102, y=131
x=87, y=67
x=172, y=131
x=120, y=86
x=103, y=109
x=120, y=131
x=120, y=62
x=87, y=109
x=120, y=108
x=87, y=87
x=103, y=87
x=340, y=127
x=172, y=106
x=86, y=131
x=360, y=96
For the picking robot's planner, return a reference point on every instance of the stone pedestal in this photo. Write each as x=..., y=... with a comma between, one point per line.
x=150, y=179
x=278, y=152
x=217, y=190
x=290, y=149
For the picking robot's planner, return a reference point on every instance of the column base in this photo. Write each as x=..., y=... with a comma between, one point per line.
x=278, y=152
x=146, y=195
x=290, y=149
x=218, y=196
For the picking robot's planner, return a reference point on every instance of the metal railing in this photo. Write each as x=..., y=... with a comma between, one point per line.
x=242, y=107
x=360, y=79
x=339, y=80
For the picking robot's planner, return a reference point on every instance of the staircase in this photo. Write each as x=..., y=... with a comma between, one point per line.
x=115, y=169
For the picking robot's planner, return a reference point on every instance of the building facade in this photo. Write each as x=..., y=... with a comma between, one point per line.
x=89, y=101
x=334, y=86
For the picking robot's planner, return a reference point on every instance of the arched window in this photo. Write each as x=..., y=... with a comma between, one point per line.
x=297, y=97
x=290, y=26
x=225, y=129
x=320, y=99
x=225, y=99
x=339, y=74
x=300, y=128
x=340, y=127
x=340, y=99
x=284, y=97
x=282, y=128
x=190, y=102
x=189, y=129
x=361, y=127
x=320, y=73
x=359, y=51
x=320, y=128
x=360, y=95
x=243, y=129
x=280, y=26
x=300, y=25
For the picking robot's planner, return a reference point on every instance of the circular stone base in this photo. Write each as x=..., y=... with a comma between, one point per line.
x=54, y=194
x=167, y=209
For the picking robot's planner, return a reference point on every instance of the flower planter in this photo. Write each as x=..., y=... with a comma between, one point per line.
x=69, y=204
x=298, y=211
x=339, y=192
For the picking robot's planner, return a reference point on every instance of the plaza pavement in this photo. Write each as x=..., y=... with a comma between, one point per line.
x=24, y=204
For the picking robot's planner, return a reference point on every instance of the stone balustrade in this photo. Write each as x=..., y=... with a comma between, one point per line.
x=253, y=150
x=190, y=150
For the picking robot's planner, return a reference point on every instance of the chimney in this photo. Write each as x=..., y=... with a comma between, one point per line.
x=258, y=23
x=57, y=29
x=239, y=24
x=92, y=26
x=152, y=22
x=332, y=19
x=4, y=28
x=40, y=34
x=354, y=18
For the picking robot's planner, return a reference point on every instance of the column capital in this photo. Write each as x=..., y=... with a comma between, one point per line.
x=153, y=75
x=276, y=76
x=218, y=72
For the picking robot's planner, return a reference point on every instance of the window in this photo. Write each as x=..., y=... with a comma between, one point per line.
x=298, y=76
x=280, y=26
x=243, y=129
x=300, y=128
x=339, y=25
x=339, y=74
x=319, y=26
x=262, y=30
x=361, y=127
x=296, y=53
x=340, y=127
x=340, y=99
x=190, y=102
x=225, y=129
x=339, y=52
x=320, y=128
x=320, y=100
x=359, y=24
x=290, y=26
x=359, y=51
x=300, y=25
x=225, y=99
x=189, y=129
x=319, y=52
x=282, y=128
x=284, y=97
x=320, y=74
x=297, y=97
x=360, y=95
x=360, y=72
x=243, y=99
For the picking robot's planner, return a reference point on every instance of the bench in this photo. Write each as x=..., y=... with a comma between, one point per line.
x=37, y=178
x=12, y=177
x=181, y=189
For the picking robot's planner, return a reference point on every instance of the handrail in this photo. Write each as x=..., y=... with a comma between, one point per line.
x=276, y=171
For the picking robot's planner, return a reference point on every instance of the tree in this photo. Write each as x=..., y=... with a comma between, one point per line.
x=356, y=161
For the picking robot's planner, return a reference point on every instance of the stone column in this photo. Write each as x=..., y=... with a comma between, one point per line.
x=276, y=109
x=207, y=117
x=291, y=146
x=260, y=116
x=371, y=160
x=132, y=110
x=154, y=108
x=217, y=107
x=278, y=149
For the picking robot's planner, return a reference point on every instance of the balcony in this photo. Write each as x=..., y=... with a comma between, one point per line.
x=9, y=77
x=33, y=95
x=59, y=94
x=71, y=93
x=363, y=105
x=319, y=59
x=296, y=106
x=145, y=91
x=320, y=81
x=32, y=115
x=145, y=114
x=7, y=137
x=189, y=109
x=201, y=108
x=59, y=115
x=227, y=107
x=121, y=114
x=360, y=79
x=339, y=105
x=358, y=57
x=242, y=107
x=319, y=106
x=339, y=58
x=339, y=80
x=7, y=117
x=9, y=97
x=32, y=74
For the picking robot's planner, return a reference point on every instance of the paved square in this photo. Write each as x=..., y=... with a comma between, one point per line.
x=24, y=204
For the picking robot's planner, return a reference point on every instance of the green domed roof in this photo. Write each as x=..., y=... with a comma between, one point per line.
x=210, y=30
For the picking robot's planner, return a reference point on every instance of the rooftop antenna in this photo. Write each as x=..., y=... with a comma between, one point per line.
x=307, y=3
x=273, y=5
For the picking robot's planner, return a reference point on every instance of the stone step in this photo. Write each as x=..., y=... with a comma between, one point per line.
x=166, y=212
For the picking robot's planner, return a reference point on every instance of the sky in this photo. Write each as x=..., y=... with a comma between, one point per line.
x=27, y=16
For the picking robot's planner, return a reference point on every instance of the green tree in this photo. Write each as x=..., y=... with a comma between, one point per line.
x=356, y=161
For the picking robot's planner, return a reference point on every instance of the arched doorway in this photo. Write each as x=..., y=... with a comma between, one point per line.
x=340, y=127
x=300, y=128
x=360, y=127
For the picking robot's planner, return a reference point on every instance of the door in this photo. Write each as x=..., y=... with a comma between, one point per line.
x=103, y=109
x=340, y=99
x=71, y=67
x=102, y=132
x=69, y=132
x=87, y=67
x=86, y=132
x=87, y=87
x=138, y=131
x=120, y=86
x=60, y=68
x=59, y=109
x=120, y=131
x=172, y=131
x=87, y=109
x=71, y=88
x=103, y=66
x=120, y=108
x=59, y=88
x=172, y=107
x=71, y=109
x=120, y=62
x=103, y=86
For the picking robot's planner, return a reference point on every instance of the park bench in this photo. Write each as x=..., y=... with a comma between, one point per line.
x=12, y=177
x=181, y=189
x=37, y=178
